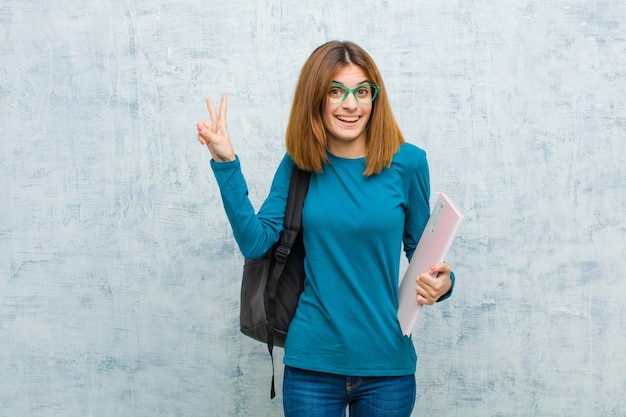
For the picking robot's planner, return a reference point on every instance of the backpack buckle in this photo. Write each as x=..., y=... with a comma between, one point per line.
x=281, y=254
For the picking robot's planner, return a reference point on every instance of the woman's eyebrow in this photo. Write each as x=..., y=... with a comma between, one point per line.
x=360, y=83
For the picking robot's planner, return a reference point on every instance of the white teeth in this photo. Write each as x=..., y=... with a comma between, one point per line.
x=348, y=119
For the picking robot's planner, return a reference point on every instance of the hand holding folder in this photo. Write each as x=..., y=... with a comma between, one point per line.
x=432, y=284
x=433, y=247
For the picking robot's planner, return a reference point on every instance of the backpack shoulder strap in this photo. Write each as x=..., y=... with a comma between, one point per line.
x=298, y=187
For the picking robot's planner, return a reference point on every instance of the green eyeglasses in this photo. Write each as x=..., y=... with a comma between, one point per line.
x=364, y=93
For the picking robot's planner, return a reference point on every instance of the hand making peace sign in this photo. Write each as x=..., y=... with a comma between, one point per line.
x=215, y=134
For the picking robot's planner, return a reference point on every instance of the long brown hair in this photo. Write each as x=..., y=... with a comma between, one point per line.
x=306, y=135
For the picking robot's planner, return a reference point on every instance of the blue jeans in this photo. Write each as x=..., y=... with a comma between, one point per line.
x=316, y=394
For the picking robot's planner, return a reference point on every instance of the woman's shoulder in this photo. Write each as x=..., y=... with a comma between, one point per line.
x=410, y=155
x=283, y=173
x=286, y=162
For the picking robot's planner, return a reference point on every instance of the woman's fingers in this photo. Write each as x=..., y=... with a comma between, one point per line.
x=203, y=128
x=212, y=112
x=215, y=134
x=221, y=115
x=218, y=116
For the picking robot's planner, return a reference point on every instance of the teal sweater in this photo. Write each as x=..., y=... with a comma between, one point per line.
x=354, y=228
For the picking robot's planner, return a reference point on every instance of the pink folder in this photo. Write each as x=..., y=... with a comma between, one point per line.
x=433, y=247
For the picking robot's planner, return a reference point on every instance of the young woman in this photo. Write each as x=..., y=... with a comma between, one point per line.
x=368, y=195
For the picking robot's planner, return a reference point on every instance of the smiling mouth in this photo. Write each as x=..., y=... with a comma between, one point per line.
x=351, y=119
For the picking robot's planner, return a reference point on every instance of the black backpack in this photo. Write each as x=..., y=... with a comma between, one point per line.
x=272, y=284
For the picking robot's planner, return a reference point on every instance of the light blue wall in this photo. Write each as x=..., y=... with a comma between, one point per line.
x=119, y=277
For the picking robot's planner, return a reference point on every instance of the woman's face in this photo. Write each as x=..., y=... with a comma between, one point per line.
x=345, y=121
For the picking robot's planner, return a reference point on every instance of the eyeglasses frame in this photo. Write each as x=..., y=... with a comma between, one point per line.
x=375, y=87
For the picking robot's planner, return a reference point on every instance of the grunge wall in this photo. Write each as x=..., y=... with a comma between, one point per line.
x=119, y=276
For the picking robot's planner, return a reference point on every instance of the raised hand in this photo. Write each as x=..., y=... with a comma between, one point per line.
x=215, y=134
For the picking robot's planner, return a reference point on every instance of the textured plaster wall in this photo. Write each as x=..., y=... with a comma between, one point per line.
x=119, y=277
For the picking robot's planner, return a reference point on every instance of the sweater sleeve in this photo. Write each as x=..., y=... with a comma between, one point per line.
x=254, y=232
x=418, y=211
x=418, y=200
